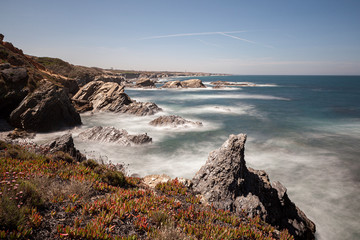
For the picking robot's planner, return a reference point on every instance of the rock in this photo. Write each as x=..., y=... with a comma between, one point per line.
x=227, y=183
x=172, y=84
x=46, y=109
x=153, y=180
x=110, y=78
x=5, y=66
x=219, y=84
x=145, y=82
x=174, y=121
x=1, y=38
x=15, y=74
x=20, y=133
x=82, y=106
x=113, y=135
x=65, y=144
x=140, y=108
x=110, y=96
x=191, y=83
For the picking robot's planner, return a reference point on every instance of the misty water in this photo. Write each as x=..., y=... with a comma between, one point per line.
x=304, y=131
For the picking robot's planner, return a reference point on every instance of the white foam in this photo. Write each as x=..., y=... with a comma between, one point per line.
x=315, y=179
x=228, y=96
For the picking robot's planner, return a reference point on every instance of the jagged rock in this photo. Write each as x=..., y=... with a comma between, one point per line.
x=174, y=121
x=113, y=135
x=110, y=78
x=145, y=82
x=1, y=38
x=65, y=143
x=227, y=183
x=191, y=83
x=46, y=109
x=140, y=108
x=15, y=74
x=82, y=106
x=110, y=96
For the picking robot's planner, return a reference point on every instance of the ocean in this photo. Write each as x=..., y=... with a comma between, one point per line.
x=304, y=131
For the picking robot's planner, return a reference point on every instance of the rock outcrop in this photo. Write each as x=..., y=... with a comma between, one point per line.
x=227, y=183
x=145, y=82
x=113, y=135
x=48, y=108
x=110, y=78
x=191, y=83
x=110, y=96
x=174, y=121
x=13, y=74
x=65, y=144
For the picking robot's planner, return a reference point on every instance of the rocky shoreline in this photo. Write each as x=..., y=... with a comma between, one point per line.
x=36, y=99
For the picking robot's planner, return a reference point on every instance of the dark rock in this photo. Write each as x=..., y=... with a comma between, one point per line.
x=15, y=74
x=9, y=100
x=1, y=38
x=140, y=108
x=145, y=82
x=46, y=109
x=110, y=96
x=174, y=121
x=82, y=106
x=191, y=83
x=5, y=66
x=227, y=183
x=65, y=144
x=113, y=135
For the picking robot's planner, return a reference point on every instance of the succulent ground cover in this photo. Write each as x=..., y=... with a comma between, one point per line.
x=51, y=196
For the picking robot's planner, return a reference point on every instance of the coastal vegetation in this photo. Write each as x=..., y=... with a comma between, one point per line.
x=53, y=196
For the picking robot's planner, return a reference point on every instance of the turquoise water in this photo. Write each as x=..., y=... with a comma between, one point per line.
x=303, y=130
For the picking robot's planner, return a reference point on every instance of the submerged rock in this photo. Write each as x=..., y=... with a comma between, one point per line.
x=174, y=121
x=227, y=183
x=65, y=143
x=110, y=96
x=48, y=108
x=218, y=84
x=113, y=135
x=191, y=83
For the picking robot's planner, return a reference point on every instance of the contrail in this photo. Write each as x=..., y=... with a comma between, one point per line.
x=192, y=34
x=242, y=39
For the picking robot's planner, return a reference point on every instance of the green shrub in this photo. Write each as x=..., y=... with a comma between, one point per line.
x=113, y=178
x=63, y=156
x=90, y=163
x=30, y=195
x=10, y=215
x=3, y=145
x=160, y=218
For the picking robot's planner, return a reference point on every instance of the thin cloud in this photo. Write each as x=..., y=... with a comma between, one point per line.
x=226, y=34
x=238, y=38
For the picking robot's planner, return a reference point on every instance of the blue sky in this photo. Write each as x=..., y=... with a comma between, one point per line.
x=238, y=37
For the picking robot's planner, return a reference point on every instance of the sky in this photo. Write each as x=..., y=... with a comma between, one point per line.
x=254, y=37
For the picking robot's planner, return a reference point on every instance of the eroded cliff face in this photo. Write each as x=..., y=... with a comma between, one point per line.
x=110, y=96
x=48, y=108
x=227, y=183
